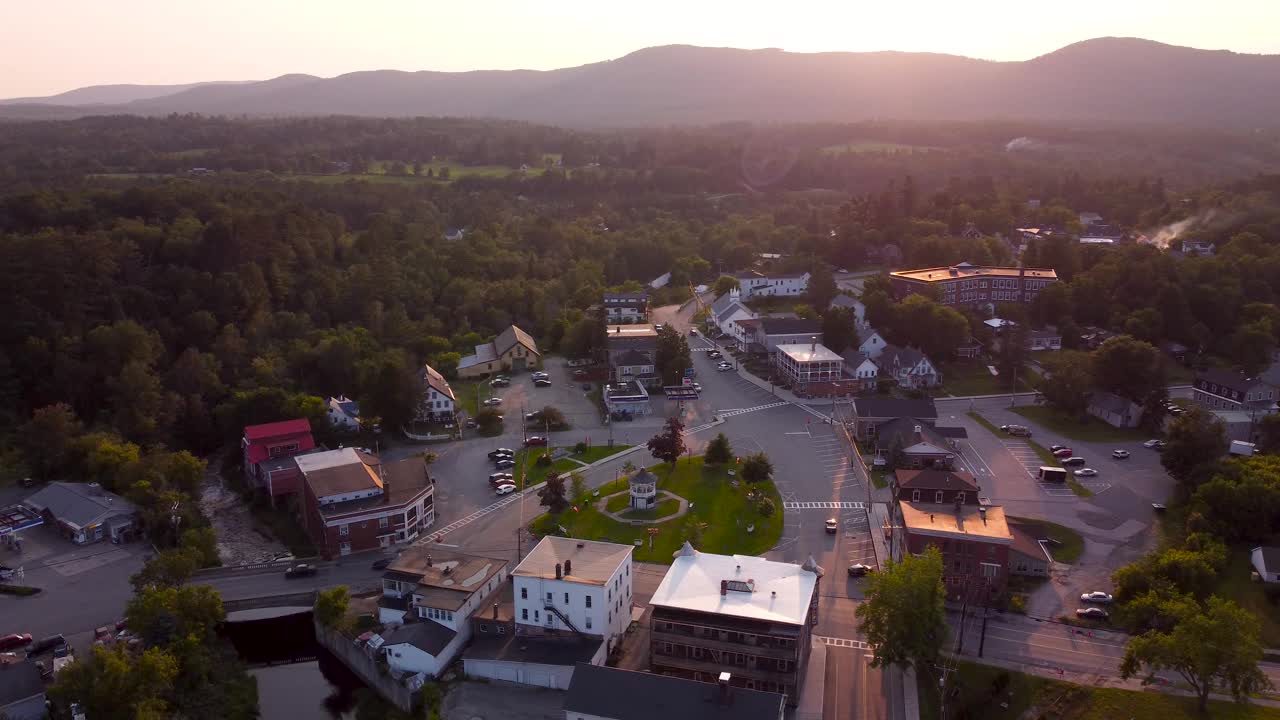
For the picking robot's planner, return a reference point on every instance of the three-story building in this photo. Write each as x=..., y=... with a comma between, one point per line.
x=577, y=586
x=972, y=285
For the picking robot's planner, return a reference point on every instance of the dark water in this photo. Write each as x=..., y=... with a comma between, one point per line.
x=296, y=677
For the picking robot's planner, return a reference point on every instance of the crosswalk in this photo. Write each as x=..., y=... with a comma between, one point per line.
x=743, y=411
x=842, y=642
x=512, y=498
x=792, y=505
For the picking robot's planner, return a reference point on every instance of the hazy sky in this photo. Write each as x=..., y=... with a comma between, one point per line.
x=48, y=46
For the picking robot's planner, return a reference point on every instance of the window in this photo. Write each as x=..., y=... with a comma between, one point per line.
x=666, y=648
x=344, y=530
x=535, y=616
x=960, y=497
x=937, y=497
x=588, y=601
x=384, y=521
x=548, y=598
x=524, y=593
x=588, y=623
x=566, y=598
x=915, y=496
x=524, y=613
x=502, y=629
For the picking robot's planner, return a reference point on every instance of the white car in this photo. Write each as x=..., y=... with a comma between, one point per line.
x=1120, y=454
x=1097, y=596
x=1086, y=472
x=540, y=374
x=493, y=402
x=1151, y=443
x=724, y=366
x=504, y=489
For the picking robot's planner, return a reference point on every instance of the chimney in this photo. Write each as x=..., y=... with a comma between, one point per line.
x=930, y=517
x=495, y=611
x=568, y=568
x=559, y=573
x=774, y=594
x=724, y=587
x=430, y=561
x=723, y=682
x=982, y=512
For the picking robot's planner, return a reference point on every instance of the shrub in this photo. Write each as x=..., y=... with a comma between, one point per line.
x=543, y=460
x=580, y=448
x=1018, y=604
x=765, y=507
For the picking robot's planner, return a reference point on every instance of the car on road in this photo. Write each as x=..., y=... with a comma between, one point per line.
x=1092, y=613
x=14, y=641
x=541, y=382
x=501, y=453
x=55, y=643
x=1073, y=460
x=1097, y=596
x=1016, y=430
x=382, y=564
x=505, y=489
x=1086, y=472
x=858, y=570
x=713, y=354
x=504, y=463
x=6, y=572
x=693, y=331
x=300, y=570
x=493, y=402
x=697, y=386
x=1120, y=454
x=579, y=374
x=1063, y=452
x=535, y=441
x=832, y=525
x=499, y=478
x=500, y=382
x=540, y=375
x=579, y=362
x=1056, y=448
x=724, y=366
x=1153, y=444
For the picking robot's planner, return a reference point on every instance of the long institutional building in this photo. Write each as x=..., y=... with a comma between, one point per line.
x=966, y=284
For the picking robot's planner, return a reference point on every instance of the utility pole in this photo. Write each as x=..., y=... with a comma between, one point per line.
x=964, y=619
x=982, y=643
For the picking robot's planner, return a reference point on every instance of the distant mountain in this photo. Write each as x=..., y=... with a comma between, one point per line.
x=112, y=94
x=1121, y=80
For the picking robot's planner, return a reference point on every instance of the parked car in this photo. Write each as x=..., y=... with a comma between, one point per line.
x=504, y=489
x=1073, y=461
x=1152, y=444
x=579, y=374
x=1063, y=452
x=832, y=525
x=1093, y=613
x=1086, y=472
x=1016, y=430
x=535, y=441
x=13, y=641
x=693, y=331
x=1120, y=454
x=501, y=453
x=724, y=366
x=493, y=402
x=45, y=644
x=1056, y=448
x=499, y=477
x=300, y=570
x=471, y=424
x=6, y=572
x=503, y=463
x=382, y=564
x=1097, y=596
x=579, y=362
x=541, y=382
x=697, y=386
x=1158, y=507
x=540, y=375
x=658, y=326
x=500, y=382
x=858, y=570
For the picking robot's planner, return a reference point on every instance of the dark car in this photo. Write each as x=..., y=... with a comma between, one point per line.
x=859, y=570
x=501, y=453
x=45, y=644
x=381, y=564
x=300, y=571
x=14, y=641
x=586, y=386
x=1073, y=461
x=504, y=463
x=542, y=382
x=535, y=441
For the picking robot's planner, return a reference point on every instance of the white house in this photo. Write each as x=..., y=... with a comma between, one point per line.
x=754, y=284
x=632, y=365
x=727, y=310
x=872, y=345
x=430, y=593
x=343, y=412
x=908, y=367
x=1266, y=562
x=582, y=586
x=438, y=400
x=860, y=366
x=625, y=308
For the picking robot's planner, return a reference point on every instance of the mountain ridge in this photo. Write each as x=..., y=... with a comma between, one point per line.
x=1112, y=79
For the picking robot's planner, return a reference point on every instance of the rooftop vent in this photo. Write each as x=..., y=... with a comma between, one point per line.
x=739, y=586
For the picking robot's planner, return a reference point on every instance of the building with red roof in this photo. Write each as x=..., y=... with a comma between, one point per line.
x=268, y=451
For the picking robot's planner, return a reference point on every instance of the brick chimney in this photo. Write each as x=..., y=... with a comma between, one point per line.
x=724, y=587
x=559, y=573
x=568, y=567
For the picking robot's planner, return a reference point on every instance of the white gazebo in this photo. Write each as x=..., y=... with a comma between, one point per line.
x=644, y=490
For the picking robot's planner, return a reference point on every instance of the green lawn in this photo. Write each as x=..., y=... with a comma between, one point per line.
x=618, y=502
x=879, y=478
x=1070, y=546
x=465, y=391
x=719, y=512
x=663, y=509
x=533, y=473
x=977, y=417
x=993, y=693
x=1236, y=584
x=1087, y=429
x=972, y=377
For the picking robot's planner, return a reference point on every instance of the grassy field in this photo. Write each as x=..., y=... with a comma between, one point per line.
x=1235, y=584
x=993, y=693
x=1086, y=429
x=873, y=146
x=1070, y=546
x=972, y=377
x=720, y=513
x=663, y=509
x=533, y=473
x=466, y=392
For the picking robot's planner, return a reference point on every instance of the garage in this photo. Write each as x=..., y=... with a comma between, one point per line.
x=536, y=662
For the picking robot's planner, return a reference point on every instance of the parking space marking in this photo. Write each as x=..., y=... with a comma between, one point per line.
x=790, y=505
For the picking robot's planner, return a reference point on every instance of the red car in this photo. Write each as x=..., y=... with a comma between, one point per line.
x=535, y=441
x=14, y=641
x=1062, y=452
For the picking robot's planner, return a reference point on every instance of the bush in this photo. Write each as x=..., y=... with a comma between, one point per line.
x=765, y=507
x=580, y=448
x=1018, y=604
x=543, y=460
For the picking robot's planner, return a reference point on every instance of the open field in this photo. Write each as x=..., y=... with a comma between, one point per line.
x=1086, y=429
x=1070, y=545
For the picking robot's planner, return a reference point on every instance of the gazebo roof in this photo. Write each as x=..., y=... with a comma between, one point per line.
x=644, y=477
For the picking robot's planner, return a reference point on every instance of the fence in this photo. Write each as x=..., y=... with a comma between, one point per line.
x=365, y=667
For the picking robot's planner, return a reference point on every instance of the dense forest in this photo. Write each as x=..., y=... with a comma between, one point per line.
x=153, y=309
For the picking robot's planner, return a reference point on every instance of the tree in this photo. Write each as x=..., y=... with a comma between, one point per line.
x=1128, y=367
x=668, y=445
x=672, y=356
x=114, y=683
x=489, y=421
x=168, y=568
x=822, y=287
x=719, y=451
x=1195, y=438
x=578, y=486
x=725, y=283
x=331, y=606
x=903, y=615
x=757, y=468
x=1217, y=649
x=1070, y=381
x=839, y=329
x=1250, y=346
x=552, y=494
x=552, y=417
x=46, y=439
x=1269, y=432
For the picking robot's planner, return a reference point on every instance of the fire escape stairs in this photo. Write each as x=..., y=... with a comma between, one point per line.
x=564, y=619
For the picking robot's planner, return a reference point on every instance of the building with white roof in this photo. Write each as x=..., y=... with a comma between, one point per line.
x=809, y=362
x=740, y=614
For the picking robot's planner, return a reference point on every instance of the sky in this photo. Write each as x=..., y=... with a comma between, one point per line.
x=50, y=46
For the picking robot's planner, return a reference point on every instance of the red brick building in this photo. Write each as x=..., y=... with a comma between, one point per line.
x=267, y=455
x=974, y=542
x=353, y=502
x=966, y=284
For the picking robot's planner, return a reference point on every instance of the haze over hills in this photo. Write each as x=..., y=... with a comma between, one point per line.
x=1109, y=80
x=112, y=94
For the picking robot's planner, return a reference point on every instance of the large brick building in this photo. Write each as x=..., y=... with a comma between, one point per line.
x=966, y=284
x=974, y=542
x=353, y=502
